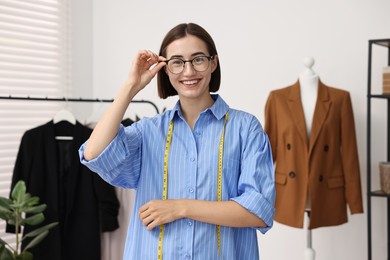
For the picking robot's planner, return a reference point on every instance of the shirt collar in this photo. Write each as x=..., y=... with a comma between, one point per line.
x=218, y=109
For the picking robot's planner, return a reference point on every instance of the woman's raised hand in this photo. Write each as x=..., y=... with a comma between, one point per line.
x=145, y=66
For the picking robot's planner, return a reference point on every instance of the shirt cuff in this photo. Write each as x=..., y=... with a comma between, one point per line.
x=257, y=204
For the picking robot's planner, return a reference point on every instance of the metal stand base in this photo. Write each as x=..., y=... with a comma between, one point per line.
x=309, y=253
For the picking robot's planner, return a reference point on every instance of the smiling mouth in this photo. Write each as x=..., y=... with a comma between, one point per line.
x=190, y=82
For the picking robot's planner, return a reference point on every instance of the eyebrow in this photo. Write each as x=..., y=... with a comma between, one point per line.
x=192, y=55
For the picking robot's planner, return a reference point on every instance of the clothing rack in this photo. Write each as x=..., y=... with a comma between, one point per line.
x=64, y=99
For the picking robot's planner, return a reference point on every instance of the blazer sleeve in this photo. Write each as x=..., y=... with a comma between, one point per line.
x=108, y=204
x=107, y=200
x=22, y=164
x=350, y=158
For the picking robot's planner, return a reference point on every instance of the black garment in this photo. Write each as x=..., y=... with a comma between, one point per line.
x=82, y=203
x=127, y=122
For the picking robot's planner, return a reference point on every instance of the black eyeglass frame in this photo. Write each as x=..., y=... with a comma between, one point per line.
x=209, y=58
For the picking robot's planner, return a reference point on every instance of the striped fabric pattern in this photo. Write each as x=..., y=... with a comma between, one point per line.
x=134, y=159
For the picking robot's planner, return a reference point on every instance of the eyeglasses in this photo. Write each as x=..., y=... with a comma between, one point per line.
x=199, y=63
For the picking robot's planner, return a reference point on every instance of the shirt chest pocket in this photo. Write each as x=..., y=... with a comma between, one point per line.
x=231, y=175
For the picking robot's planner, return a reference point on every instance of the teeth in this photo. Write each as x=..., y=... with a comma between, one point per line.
x=190, y=82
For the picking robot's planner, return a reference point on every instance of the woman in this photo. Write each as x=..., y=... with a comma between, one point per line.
x=203, y=171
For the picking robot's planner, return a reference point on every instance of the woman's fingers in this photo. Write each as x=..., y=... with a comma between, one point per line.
x=145, y=67
x=157, y=212
x=148, y=58
x=147, y=218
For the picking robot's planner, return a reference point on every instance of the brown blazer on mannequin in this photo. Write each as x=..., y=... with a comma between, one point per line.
x=326, y=168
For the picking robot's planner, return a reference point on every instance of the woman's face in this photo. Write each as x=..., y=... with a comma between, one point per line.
x=190, y=84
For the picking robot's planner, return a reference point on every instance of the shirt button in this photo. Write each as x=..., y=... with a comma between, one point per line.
x=188, y=256
x=189, y=223
x=192, y=159
x=191, y=190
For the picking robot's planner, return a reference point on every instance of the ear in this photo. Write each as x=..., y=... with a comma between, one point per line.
x=214, y=63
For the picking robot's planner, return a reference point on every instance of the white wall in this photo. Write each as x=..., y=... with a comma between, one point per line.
x=81, y=50
x=261, y=45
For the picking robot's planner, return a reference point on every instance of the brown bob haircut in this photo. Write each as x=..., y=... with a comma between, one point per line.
x=165, y=88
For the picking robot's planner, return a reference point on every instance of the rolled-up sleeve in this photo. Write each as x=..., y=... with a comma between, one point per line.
x=256, y=185
x=120, y=162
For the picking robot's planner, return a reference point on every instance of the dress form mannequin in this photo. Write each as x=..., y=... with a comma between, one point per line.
x=308, y=81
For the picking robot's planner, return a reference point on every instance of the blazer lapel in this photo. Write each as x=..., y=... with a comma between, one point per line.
x=51, y=162
x=296, y=111
x=74, y=174
x=320, y=113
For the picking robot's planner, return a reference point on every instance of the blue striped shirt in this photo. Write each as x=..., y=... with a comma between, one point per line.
x=134, y=159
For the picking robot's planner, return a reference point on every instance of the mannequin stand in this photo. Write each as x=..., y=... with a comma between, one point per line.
x=308, y=81
x=309, y=253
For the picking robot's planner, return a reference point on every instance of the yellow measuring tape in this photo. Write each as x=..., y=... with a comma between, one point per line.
x=165, y=187
x=219, y=179
x=165, y=182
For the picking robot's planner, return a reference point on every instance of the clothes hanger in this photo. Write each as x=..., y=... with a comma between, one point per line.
x=97, y=112
x=61, y=120
x=64, y=115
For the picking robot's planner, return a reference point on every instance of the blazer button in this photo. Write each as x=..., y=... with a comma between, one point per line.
x=321, y=178
x=292, y=175
x=288, y=146
x=326, y=148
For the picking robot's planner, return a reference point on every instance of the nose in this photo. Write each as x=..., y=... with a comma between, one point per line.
x=188, y=68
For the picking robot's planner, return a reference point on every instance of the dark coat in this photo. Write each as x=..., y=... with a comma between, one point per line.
x=82, y=203
x=326, y=167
